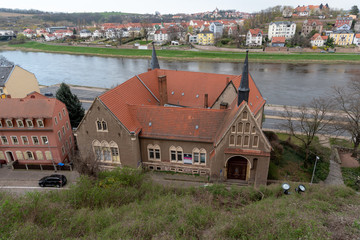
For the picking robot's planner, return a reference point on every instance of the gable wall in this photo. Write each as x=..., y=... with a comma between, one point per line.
x=129, y=150
x=228, y=96
x=21, y=83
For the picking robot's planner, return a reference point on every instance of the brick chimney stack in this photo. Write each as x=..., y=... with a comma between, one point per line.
x=206, y=101
x=163, y=90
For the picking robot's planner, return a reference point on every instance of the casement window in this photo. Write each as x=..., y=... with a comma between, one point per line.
x=9, y=123
x=45, y=140
x=104, y=126
x=115, y=154
x=67, y=125
x=59, y=135
x=4, y=140
x=199, y=156
x=64, y=112
x=29, y=123
x=99, y=126
x=48, y=155
x=14, y=140
x=20, y=123
x=25, y=140
x=19, y=155
x=106, y=152
x=63, y=130
x=39, y=155
x=60, y=117
x=154, y=152
x=29, y=155
x=56, y=121
x=40, y=123
x=176, y=154
x=35, y=140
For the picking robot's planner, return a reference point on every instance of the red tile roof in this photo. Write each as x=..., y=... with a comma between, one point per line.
x=255, y=31
x=179, y=123
x=28, y=107
x=324, y=37
x=135, y=103
x=357, y=35
x=315, y=36
x=278, y=40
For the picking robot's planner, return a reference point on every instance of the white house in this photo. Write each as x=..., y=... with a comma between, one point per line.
x=98, y=34
x=29, y=33
x=318, y=40
x=193, y=38
x=254, y=37
x=50, y=37
x=282, y=29
x=85, y=33
x=217, y=29
x=356, y=40
x=161, y=36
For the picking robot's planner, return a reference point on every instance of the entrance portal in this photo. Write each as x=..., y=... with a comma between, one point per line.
x=237, y=168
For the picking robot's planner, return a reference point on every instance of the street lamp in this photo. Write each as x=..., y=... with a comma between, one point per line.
x=312, y=178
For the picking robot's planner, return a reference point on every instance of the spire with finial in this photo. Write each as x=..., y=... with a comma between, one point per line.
x=243, y=91
x=154, y=61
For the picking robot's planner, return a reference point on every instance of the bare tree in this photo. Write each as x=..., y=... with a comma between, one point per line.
x=146, y=27
x=86, y=165
x=305, y=122
x=348, y=101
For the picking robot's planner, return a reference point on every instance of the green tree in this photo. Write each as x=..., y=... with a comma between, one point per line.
x=72, y=103
x=329, y=42
x=354, y=10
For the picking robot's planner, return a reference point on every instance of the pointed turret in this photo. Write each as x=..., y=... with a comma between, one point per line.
x=154, y=61
x=243, y=91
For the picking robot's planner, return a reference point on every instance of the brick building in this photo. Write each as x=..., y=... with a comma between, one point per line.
x=188, y=122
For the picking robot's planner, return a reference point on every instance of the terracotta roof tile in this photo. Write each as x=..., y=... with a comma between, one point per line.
x=255, y=32
x=278, y=40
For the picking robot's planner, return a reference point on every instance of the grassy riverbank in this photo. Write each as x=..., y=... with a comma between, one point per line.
x=125, y=204
x=190, y=55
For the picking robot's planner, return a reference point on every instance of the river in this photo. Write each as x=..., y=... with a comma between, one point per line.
x=279, y=83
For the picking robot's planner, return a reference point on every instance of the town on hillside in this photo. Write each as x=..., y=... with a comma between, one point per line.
x=314, y=27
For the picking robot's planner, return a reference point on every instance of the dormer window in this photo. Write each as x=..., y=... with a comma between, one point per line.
x=40, y=123
x=9, y=123
x=29, y=123
x=20, y=123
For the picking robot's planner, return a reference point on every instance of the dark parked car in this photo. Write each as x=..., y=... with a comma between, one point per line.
x=55, y=180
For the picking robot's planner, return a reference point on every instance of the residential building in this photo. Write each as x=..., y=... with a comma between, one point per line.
x=161, y=36
x=206, y=38
x=343, y=27
x=343, y=37
x=35, y=130
x=318, y=40
x=193, y=38
x=186, y=122
x=357, y=26
x=287, y=12
x=16, y=82
x=254, y=37
x=343, y=20
x=50, y=37
x=85, y=33
x=29, y=33
x=98, y=33
x=53, y=29
x=357, y=39
x=217, y=29
x=303, y=11
x=281, y=29
x=310, y=25
x=278, y=42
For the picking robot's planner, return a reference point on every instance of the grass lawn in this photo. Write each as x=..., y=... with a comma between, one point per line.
x=194, y=55
x=341, y=142
x=350, y=176
x=124, y=204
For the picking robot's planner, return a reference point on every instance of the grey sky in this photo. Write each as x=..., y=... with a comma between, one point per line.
x=163, y=6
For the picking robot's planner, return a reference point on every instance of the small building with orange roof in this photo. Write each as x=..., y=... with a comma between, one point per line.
x=186, y=122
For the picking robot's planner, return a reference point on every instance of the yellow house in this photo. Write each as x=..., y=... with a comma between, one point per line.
x=342, y=37
x=206, y=38
x=17, y=82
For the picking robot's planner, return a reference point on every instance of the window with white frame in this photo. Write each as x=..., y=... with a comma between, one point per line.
x=173, y=153
x=40, y=123
x=35, y=140
x=67, y=125
x=114, y=152
x=56, y=121
x=64, y=112
x=98, y=125
x=106, y=152
x=25, y=140
x=14, y=140
x=4, y=140
x=9, y=123
x=154, y=152
x=63, y=130
x=39, y=155
x=29, y=123
x=176, y=154
x=45, y=140
x=20, y=123
x=60, y=117
x=199, y=156
x=29, y=155
x=59, y=135
x=19, y=155
x=104, y=126
x=48, y=155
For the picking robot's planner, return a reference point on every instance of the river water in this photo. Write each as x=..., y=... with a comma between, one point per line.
x=279, y=83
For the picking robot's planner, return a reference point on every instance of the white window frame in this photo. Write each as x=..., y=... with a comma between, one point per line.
x=31, y=125
x=6, y=142
x=20, y=121
x=55, y=120
x=7, y=123
x=35, y=137
x=60, y=117
x=155, y=149
x=12, y=140
x=47, y=140
x=40, y=122
x=59, y=135
x=64, y=112
x=27, y=140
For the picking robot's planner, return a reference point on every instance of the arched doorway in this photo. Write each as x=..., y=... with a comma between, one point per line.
x=10, y=157
x=237, y=168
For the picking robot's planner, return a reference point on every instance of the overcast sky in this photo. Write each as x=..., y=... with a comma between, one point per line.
x=163, y=6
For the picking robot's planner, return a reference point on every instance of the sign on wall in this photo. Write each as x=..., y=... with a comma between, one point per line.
x=187, y=158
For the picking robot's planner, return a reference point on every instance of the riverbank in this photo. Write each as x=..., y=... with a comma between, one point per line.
x=181, y=55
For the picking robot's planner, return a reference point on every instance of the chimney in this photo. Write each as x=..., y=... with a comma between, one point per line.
x=149, y=69
x=163, y=90
x=223, y=105
x=206, y=101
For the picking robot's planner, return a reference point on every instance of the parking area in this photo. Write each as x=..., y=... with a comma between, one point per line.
x=22, y=181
